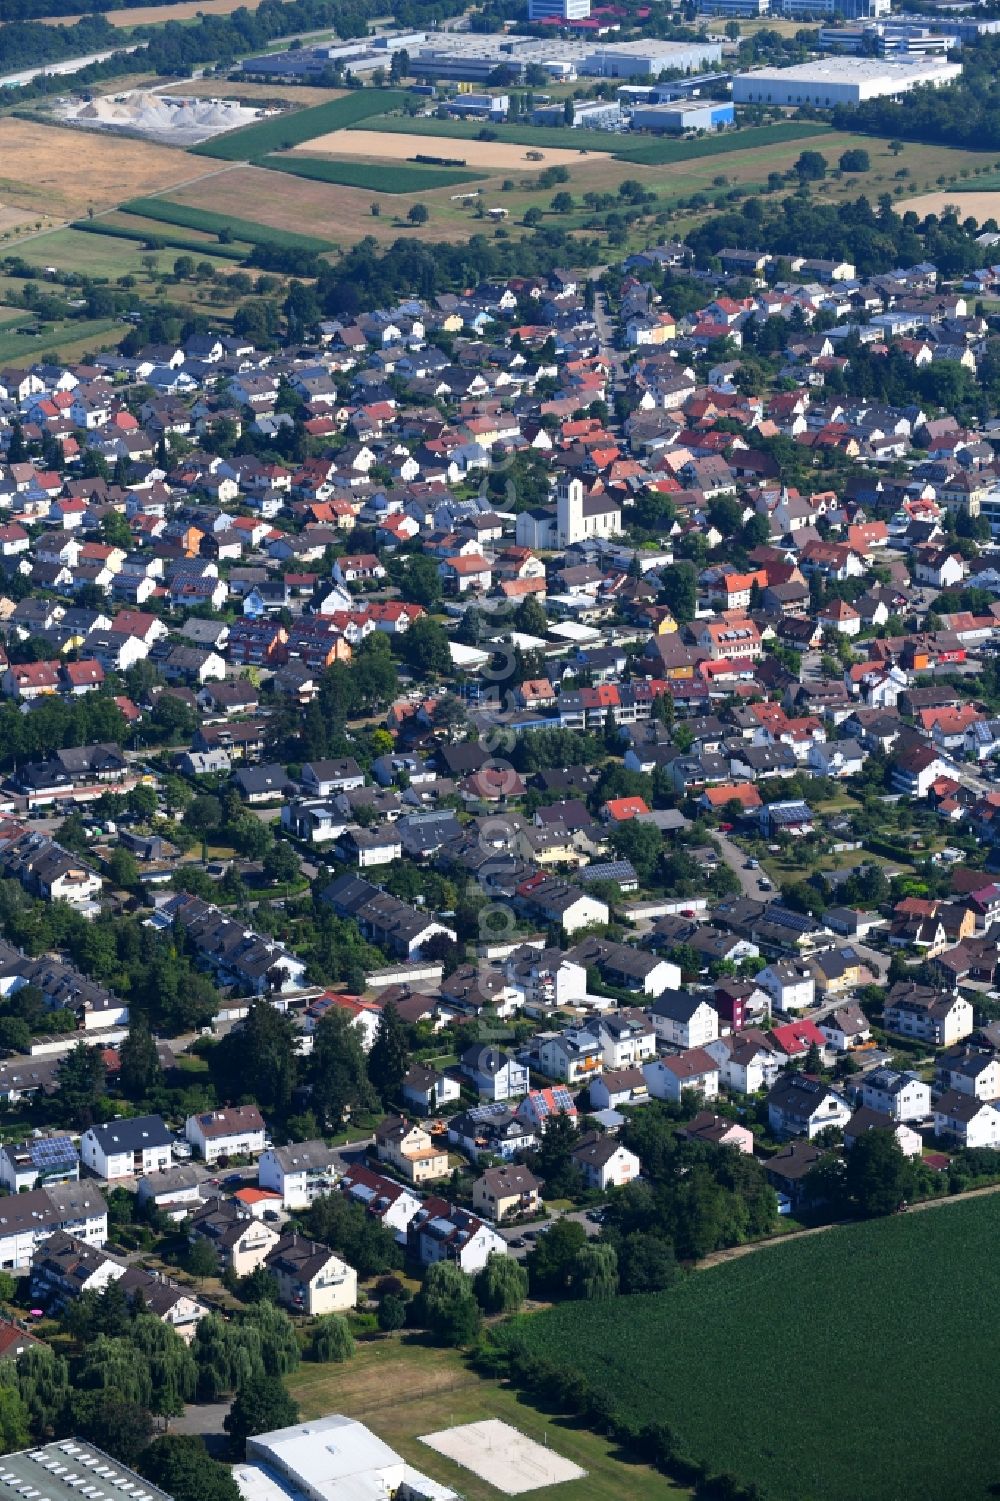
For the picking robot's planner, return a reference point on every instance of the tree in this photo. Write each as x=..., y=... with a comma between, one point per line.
x=855, y=160
x=14, y=1421
x=139, y=1064
x=595, y=1271
x=201, y=1259
x=551, y=1263
x=362, y=1240
x=181, y=1465
x=388, y=1059
x=501, y=1285
x=418, y=213
x=449, y=1306
x=425, y=648
x=281, y=864
x=259, y=1058
x=646, y=1263
x=811, y=166
x=338, y=1069
x=554, y=1160
x=262, y=1403
x=113, y=1421
x=879, y=1177
x=640, y=843
x=332, y=1339
x=391, y=1313
x=680, y=591
x=419, y=580
x=81, y=1086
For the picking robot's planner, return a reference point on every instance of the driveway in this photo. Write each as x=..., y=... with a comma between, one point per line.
x=748, y=879
x=514, y=1232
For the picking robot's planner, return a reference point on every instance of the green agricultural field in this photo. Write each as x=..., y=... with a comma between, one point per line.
x=857, y=1363
x=641, y=149
x=86, y=254
x=392, y=178
x=68, y=339
x=164, y=211
x=252, y=142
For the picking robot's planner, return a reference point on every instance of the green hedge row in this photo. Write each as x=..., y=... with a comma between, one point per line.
x=166, y=212
x=392, y=178
x=172, y=242
x=251, y=142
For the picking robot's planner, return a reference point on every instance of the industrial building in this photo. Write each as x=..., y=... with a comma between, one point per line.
x=70, y=1469
x=851, y=10
x=673, y=119
x=588, y=114
x=830, y=81
x=889, y=39
x=558, y=10
x=329, y=1459
x=361, y=57
x=474, y=58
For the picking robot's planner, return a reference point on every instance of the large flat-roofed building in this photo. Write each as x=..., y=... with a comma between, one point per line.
x=329, y=1459
x=830, y=81
x=70, y=1469
x=474, y=58
x=675, y=118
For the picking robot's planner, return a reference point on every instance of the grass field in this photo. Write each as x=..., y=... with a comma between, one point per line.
x=70, y=339
x=58, y=174
x=141, y=235
x=403, y=1390
x=284, y=131
x=856, y=1363
x=376, y=177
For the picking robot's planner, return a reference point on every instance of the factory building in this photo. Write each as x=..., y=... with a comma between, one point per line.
x=674, y=119
x=472, y=58
x=830, y=81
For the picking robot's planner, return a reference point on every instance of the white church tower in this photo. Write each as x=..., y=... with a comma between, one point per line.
x=569, y=512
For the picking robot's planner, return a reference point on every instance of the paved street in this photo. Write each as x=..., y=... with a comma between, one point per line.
x=749, y=879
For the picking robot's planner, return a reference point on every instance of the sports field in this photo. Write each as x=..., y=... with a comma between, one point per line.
x=855, y=1363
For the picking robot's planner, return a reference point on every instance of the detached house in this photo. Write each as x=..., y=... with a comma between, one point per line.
x=695, y=1069
x=684, y=1020
x=408, y=1148
x=235, y=1132
x=504, y=1193
x=311, y=1278
x=127, y=1148
x=798, y=1105
x=604, y=1162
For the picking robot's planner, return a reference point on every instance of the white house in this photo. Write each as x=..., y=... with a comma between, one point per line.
x=977, y=1074
x=846, y=1028
x=800, y=1106
x=312, y=1279
x=440, y=1231
x=747, y=1063
x=30, y=1218
x=127, y=1148
x=791, y=986
x=684, y=1020
x=625, y=1040
x=902, y=1096
x=387, y=1201
x=604, y=1162
x=966, y=1120
x=696, y=1069
x=235, y=1132
x=299, y=1172
x=573, y=1056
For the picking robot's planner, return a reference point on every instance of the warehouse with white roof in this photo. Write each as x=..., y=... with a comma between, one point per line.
x=829, y=81
x=330, y=1459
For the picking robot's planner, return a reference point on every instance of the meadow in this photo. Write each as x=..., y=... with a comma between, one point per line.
x=855, y=1363
x=403, y=1388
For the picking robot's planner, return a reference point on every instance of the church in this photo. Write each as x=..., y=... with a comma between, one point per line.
x=575, y=517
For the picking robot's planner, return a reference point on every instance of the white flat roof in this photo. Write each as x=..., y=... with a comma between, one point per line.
x=851, y=69
x=573, y=630
x=467, y=656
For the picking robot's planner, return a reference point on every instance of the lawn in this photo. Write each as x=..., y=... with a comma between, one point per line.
x=403, y=1389
x=69, y=340
x=856, y=1363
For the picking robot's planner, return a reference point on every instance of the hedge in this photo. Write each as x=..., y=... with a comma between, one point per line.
x=251, y=142
x=167, y=212
x=168, y=241
x=393, y=178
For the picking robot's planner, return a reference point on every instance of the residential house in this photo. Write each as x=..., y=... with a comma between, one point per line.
x=312, y=1279
x=299, y=1172
x=127, y=1148
x=798, y=1105
x=505, y=1193
x=408, y=1148
x=693, y=1069
x=495, y=1075
x=237, y=1131
x=604, y=1162
x=684, y=1020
